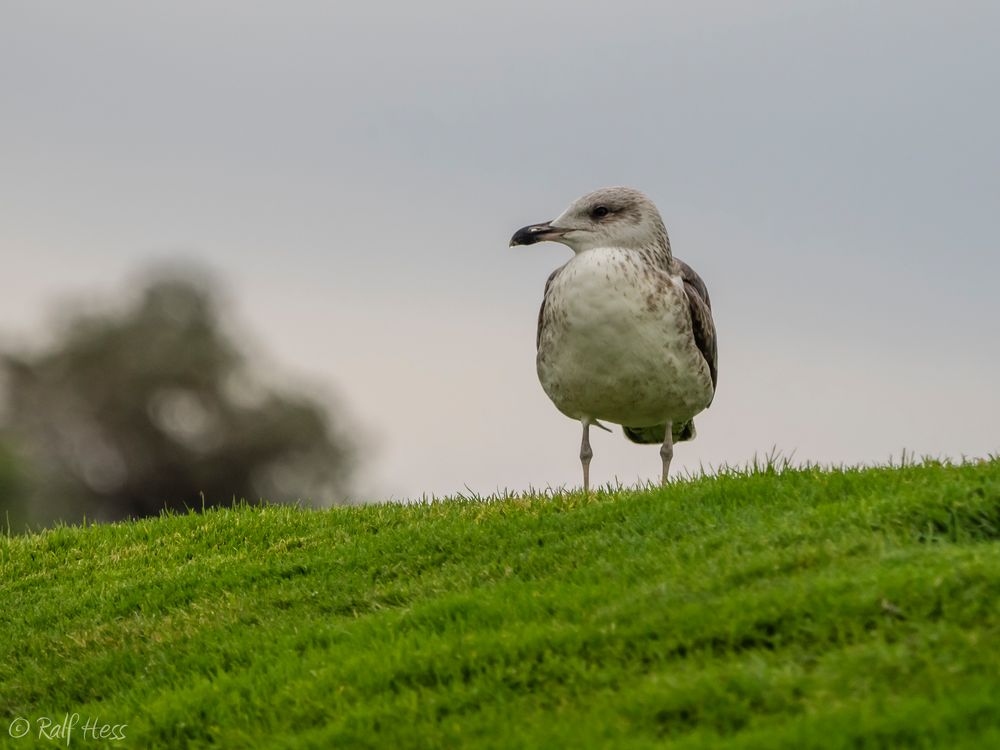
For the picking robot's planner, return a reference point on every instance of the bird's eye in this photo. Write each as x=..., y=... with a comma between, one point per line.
x=599, y=212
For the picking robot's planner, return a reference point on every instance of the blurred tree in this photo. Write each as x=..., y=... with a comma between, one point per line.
x=155, y=407
x=12, y=497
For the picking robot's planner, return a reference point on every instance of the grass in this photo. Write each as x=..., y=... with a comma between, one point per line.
x=798, y=608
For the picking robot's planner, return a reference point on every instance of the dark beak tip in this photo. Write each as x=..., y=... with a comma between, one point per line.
x=530, y=234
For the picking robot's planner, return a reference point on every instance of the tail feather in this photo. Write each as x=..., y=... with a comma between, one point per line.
x=649, y=435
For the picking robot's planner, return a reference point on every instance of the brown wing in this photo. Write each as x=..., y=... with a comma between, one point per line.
x=701, y=318
x=541, y=310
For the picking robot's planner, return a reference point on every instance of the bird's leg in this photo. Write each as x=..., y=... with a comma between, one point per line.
x=585, y=455
x=667, y=452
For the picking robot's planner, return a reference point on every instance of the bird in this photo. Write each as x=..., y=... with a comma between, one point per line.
x=625, y=330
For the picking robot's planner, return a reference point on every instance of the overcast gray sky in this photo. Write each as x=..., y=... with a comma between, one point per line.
x=832, y=169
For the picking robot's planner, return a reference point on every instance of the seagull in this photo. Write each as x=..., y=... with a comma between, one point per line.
x=625, y=331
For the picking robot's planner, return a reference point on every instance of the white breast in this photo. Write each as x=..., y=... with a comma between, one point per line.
x=616, y=342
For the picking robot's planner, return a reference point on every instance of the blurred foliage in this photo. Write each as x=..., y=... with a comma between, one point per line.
x=130, y=412
x=12, y=496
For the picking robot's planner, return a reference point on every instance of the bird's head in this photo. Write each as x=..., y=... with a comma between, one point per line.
x=609, y=217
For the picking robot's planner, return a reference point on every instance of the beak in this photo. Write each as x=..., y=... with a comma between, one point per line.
x=537, y=233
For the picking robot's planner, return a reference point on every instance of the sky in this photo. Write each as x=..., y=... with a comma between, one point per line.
x=353, y=175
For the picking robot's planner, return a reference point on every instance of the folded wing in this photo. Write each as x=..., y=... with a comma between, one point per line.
x=702, y=324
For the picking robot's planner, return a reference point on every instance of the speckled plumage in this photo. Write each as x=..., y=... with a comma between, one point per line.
x=625, y=330
x=615, y=341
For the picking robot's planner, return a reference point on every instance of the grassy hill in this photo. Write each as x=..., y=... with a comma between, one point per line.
x=803, y=608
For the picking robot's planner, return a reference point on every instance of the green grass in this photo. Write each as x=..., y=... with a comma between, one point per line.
x=803, y=608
